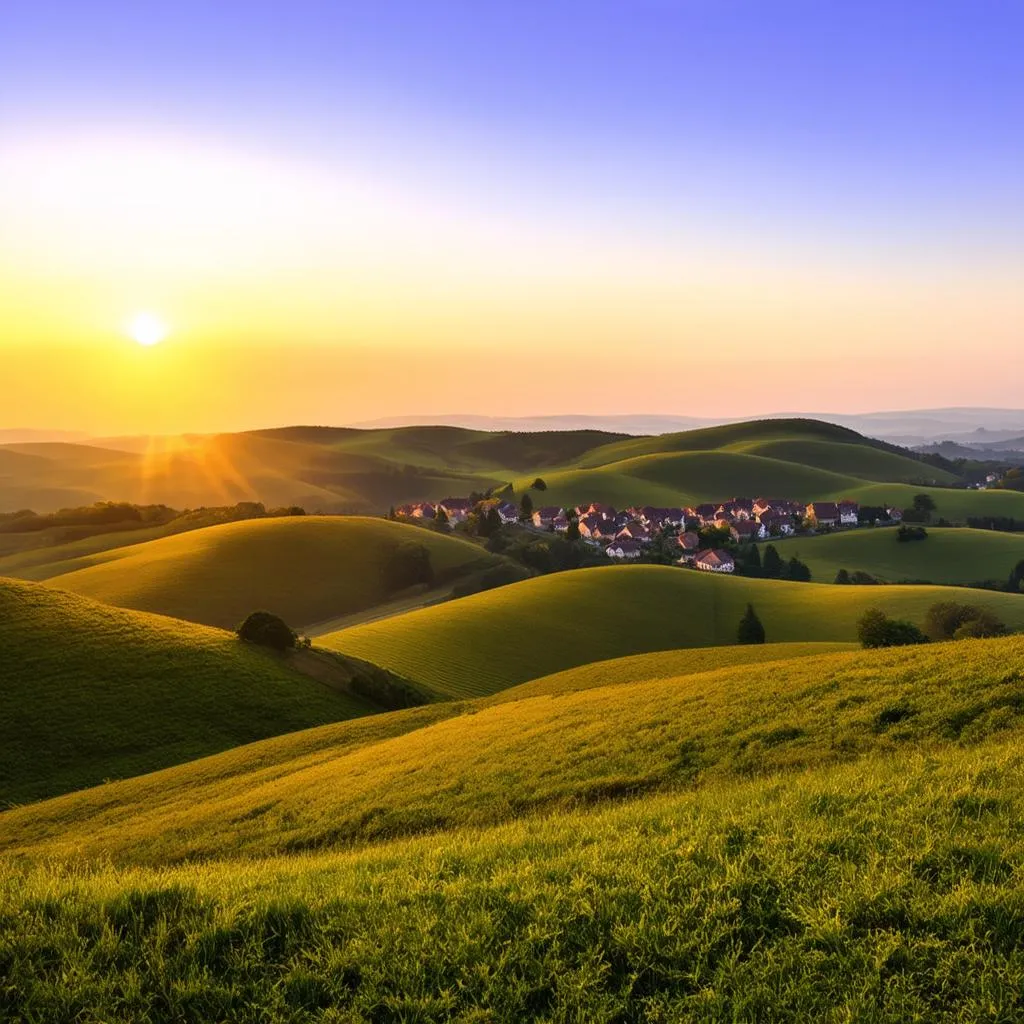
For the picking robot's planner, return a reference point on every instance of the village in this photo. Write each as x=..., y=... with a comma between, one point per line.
x=624, y=535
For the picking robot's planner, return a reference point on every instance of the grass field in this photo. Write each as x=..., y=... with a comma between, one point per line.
x=303, y=568
x=92, y=693
x=883, y=891
x=947, y=556
x=484, y=643
x=486, y=764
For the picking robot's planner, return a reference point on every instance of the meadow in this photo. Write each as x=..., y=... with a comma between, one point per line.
x=486, y=642
x=948, y=556
x=484, y=763
x=304, y=568
x=886, y=890
x=92, y=693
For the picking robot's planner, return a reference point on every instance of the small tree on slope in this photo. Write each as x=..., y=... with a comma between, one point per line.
x=751, y=630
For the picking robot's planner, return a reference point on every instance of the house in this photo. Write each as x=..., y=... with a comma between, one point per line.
x=705, y=512
x=715, y=560
x=508, y=513
x=895, y=514
x=624, y=549
x=591, y=526
x=823, y=513
x=777, y=524
x=689, y=541
x=747, y=530
x=849, y=513
x=421, y=510
x=634, y=530
x=457, y=509
x=545, y=517
x=561, y=523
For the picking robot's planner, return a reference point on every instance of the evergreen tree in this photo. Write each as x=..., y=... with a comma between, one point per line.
x=772, y=565
x=526, y=508
x=750, y=631
x=797, y=571
x=440, y=519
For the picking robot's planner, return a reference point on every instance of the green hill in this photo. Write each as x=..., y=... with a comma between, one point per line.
x=635, y=668
x=493, y=763
x=484, y=643
x=304, y=568
x=947, y=556
x=92, y=693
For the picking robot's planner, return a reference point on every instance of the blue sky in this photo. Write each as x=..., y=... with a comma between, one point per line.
x=877, y=139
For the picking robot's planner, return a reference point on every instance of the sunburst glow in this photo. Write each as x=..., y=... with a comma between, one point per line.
x=147, y=329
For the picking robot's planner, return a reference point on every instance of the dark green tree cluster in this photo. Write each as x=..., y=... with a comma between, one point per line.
x=876, y=629
x=407, y=565
x=948, y=620
x=856, y=578
x=910, y=533
x=267, y=630
x=921, y=510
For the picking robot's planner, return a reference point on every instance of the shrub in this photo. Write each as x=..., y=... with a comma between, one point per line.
x=876, y=629
x=947, y=620
x=751, y=630
x=908, y=533
x=267, y=630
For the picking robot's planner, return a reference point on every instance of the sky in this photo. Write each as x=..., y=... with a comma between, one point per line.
x=344, y=211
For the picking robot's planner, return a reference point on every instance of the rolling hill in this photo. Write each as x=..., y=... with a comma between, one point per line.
x=414, y=772
x=92, y=693
x=484, y=643
x=304, y=568
x=959, y=556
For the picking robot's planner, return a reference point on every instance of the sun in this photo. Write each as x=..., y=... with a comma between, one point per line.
x=147, y=329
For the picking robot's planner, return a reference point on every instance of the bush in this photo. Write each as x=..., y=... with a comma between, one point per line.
x=948, y=620
x=876, y=629
x=909, y=533
x=267, y=630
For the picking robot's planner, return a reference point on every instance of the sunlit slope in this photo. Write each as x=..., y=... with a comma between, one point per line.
x=91, y=692
x=489, y=641
x=857, y=460
x=500, y=762
x=684, y=478
x=303, y=568
x=884, y=890
x=635, y=668
x=946, y=556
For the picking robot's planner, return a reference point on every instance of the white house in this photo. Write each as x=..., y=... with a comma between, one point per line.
x=623, y=549
x=508, y=513
x=715, y=560
x=849, y=513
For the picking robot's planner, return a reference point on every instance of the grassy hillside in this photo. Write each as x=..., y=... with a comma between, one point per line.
x=686, y=478
x=489, y=641
x=92, y=693
x=947, y=556
x=304, y=568
x=493, y=763
x=883, y=892
x=634, y=668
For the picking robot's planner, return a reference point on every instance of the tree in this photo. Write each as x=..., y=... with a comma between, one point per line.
x=947, y=620
x=573, y=532
x=750, y=631
x=909, y=533
x=391, y=514
x=539, y=485
x=1016, y=577
x=985, y=625
x=440, y=519
x=924, y=503
x=860, y=578
x=525, y=508
x=488, y=522
x=797, y=571
x=748, y=560
x=842, y=577
x=772, y=565
x=876, y=629
x=267, y=630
